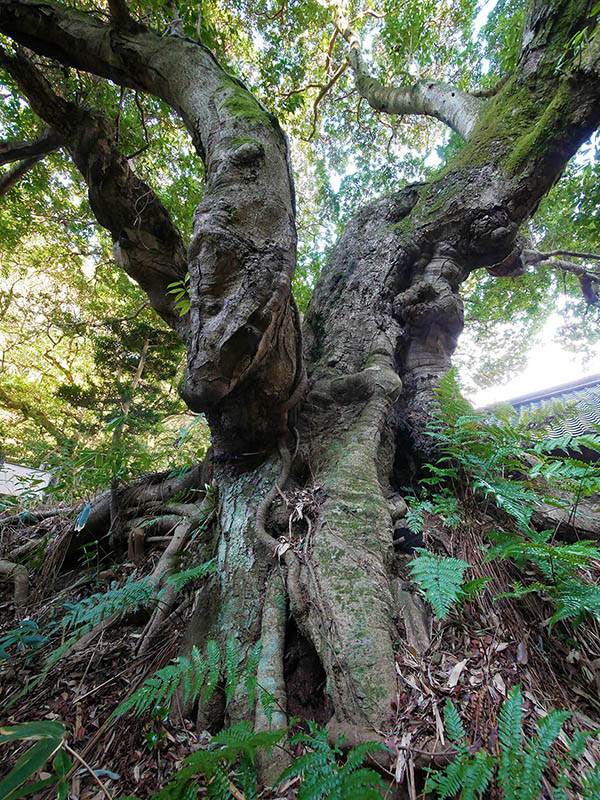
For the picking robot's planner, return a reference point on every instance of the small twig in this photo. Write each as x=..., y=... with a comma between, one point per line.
x=118, y=114
x=110, y=680
x=277, y=14
x=571, y=254
x=85, y=672
x=89, y=769
x=302, y=89
x=324, y=90
x=145, y=129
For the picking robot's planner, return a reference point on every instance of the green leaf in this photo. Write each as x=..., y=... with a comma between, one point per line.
x=32, y=730
x=61, y=763
x=28, y=764
x=441, y=578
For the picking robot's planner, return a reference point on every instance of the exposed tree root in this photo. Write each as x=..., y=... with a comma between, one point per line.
x=166, y=565
x=270, y=676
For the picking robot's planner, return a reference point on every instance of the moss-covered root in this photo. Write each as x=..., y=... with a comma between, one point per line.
x=270, y=677
x=350, y=615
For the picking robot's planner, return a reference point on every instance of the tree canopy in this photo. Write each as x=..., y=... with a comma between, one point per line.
x=61, y=297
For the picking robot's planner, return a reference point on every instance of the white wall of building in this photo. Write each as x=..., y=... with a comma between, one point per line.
x=18, y=480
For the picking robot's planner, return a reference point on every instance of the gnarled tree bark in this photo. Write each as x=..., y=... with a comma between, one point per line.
x=379, y=333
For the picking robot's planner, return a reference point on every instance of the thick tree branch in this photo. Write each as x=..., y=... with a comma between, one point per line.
x=27, y=154
x=534, y=256
x=120, y=14
x=18, y=151
x=459, y=110
x=146, y=242
x=242, y=258
x=490, y=91
x=13, y=176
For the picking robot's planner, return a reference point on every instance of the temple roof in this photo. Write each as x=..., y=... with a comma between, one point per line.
x=569, y=409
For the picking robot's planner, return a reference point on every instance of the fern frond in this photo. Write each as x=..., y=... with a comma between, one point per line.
x=247, y=779
x=453, y=724
x=213, y=657
x=591, y=784
x=267, y=701
x=219, y=785
x=441, y=578
x=574, y=599
x=180, y=579
x=232, y=659
x=357, y=755
x=362, y=784
x=477, y=775
x=323, y=777
x=510, y=496
x=447, y=783
x=510, y=721
x=240, y=739
x=90, y=611
x=160, y=687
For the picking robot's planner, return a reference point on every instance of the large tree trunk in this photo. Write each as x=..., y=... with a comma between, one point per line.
x=378, y=335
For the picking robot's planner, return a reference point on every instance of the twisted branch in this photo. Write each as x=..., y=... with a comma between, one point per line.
x=589, y=280
x=459, y=110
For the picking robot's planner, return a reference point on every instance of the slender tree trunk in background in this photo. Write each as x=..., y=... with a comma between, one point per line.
x=314, y=430
x=116, y=526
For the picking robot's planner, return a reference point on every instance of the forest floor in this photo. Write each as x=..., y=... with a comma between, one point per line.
x=475, y=663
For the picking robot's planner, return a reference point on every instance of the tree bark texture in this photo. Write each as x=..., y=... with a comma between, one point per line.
x=305, y=469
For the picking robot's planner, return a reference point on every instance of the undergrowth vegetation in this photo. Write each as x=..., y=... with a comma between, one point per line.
x=515, y=470
x=520, y=763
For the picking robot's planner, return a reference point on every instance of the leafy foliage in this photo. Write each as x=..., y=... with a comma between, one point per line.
x=181, y=579
x=324, y=777
x=441, y=578
x=160, y=687
x=502, y=461
x=520, y=766
x=90, y=611
x=181, y=294
x=191, y=674
x=48, y=737
x=235, y=745
x=26, y=637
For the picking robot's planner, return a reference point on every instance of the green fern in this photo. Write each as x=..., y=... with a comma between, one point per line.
x=232, y=659
x=575, y=599
x=90, y=611
x=180, y=579
x=455, y=730
x=488, y=454
x=591, y=784
x=267, y=701
x=520, y=766
x=469, y=774
x=233, y=746
x=190, y=675
x=159, y=688
x=441, y=578
x=323, y=776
